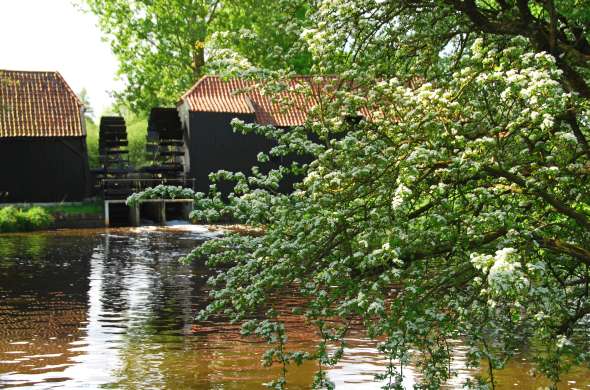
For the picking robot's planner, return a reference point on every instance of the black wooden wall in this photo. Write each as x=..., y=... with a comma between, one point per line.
x=214, y=146
x=43, y=169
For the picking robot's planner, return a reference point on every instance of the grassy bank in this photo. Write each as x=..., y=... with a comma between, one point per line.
x=95, y=208
x=25, y=218
x=13, y=219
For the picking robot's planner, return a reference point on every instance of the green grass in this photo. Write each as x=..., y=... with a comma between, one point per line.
x=92, y=143
x=136, y=134
x=80, y=208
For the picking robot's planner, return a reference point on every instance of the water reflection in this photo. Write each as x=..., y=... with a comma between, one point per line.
x=43, y=290
x=114, y=310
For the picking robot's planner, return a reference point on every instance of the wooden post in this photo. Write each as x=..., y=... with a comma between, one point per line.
x=187, y=208
x=107, y=222
x=161, y=212
x=134, y=215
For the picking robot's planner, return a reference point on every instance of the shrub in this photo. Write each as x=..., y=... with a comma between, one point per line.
x=38, y=218
x=9, y=219
x=160, y=192
x=17, y=220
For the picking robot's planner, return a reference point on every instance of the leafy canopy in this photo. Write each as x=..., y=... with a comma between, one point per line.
x=458, y=207
x=164, y=46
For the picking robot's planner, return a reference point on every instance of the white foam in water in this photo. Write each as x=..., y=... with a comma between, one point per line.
x=184, y=226
x=179, y=222
x=180, y=226
x=141, y=229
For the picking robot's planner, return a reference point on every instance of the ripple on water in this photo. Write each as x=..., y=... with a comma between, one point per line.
x=115, y=309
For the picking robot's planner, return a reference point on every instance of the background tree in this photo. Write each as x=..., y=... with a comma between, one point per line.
x=163, y=46
x=88, y=110
x=460, y=205
x=91, y=129
x=266, y=33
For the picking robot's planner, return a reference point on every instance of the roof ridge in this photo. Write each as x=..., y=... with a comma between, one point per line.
x=199, y=81
x=214, y=93
x=70, y=90
x=28, y=71
x=55, y=72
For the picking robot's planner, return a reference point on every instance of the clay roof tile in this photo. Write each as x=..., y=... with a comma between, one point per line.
x=243, y=96
x=38, y=104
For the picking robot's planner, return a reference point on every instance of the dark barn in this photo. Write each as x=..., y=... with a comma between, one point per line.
x=43, y=155
x=206, y=111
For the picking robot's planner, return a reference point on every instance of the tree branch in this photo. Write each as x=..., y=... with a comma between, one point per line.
x=443, y=249
x=566, y=327
x=540, y=34
x=552, y=24
x=562, y=247
x=211, y=15
x=557, y=205
x=573, y=122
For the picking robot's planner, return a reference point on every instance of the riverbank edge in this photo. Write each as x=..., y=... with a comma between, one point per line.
x=66, y=215
x=77, y=221
x=69, y=215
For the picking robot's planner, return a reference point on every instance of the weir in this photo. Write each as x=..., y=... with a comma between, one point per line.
x=156, y=210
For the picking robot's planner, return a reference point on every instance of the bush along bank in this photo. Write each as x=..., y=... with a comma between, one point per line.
x=13, y=219
x=78, y=215
x=160, y=192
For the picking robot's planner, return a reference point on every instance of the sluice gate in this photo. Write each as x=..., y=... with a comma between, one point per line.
x=160, y=211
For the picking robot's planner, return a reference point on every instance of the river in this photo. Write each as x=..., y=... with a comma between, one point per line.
x=114, y=309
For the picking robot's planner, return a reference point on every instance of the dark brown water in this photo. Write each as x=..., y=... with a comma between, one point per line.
x=99, y=309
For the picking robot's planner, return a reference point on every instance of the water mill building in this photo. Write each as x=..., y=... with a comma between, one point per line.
x=206, y=112
x=43, y=154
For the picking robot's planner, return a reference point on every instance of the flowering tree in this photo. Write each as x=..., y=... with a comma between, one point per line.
x=458, y=206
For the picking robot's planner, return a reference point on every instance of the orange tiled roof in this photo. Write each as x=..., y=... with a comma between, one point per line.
x=38, y=104
x=241, y=96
